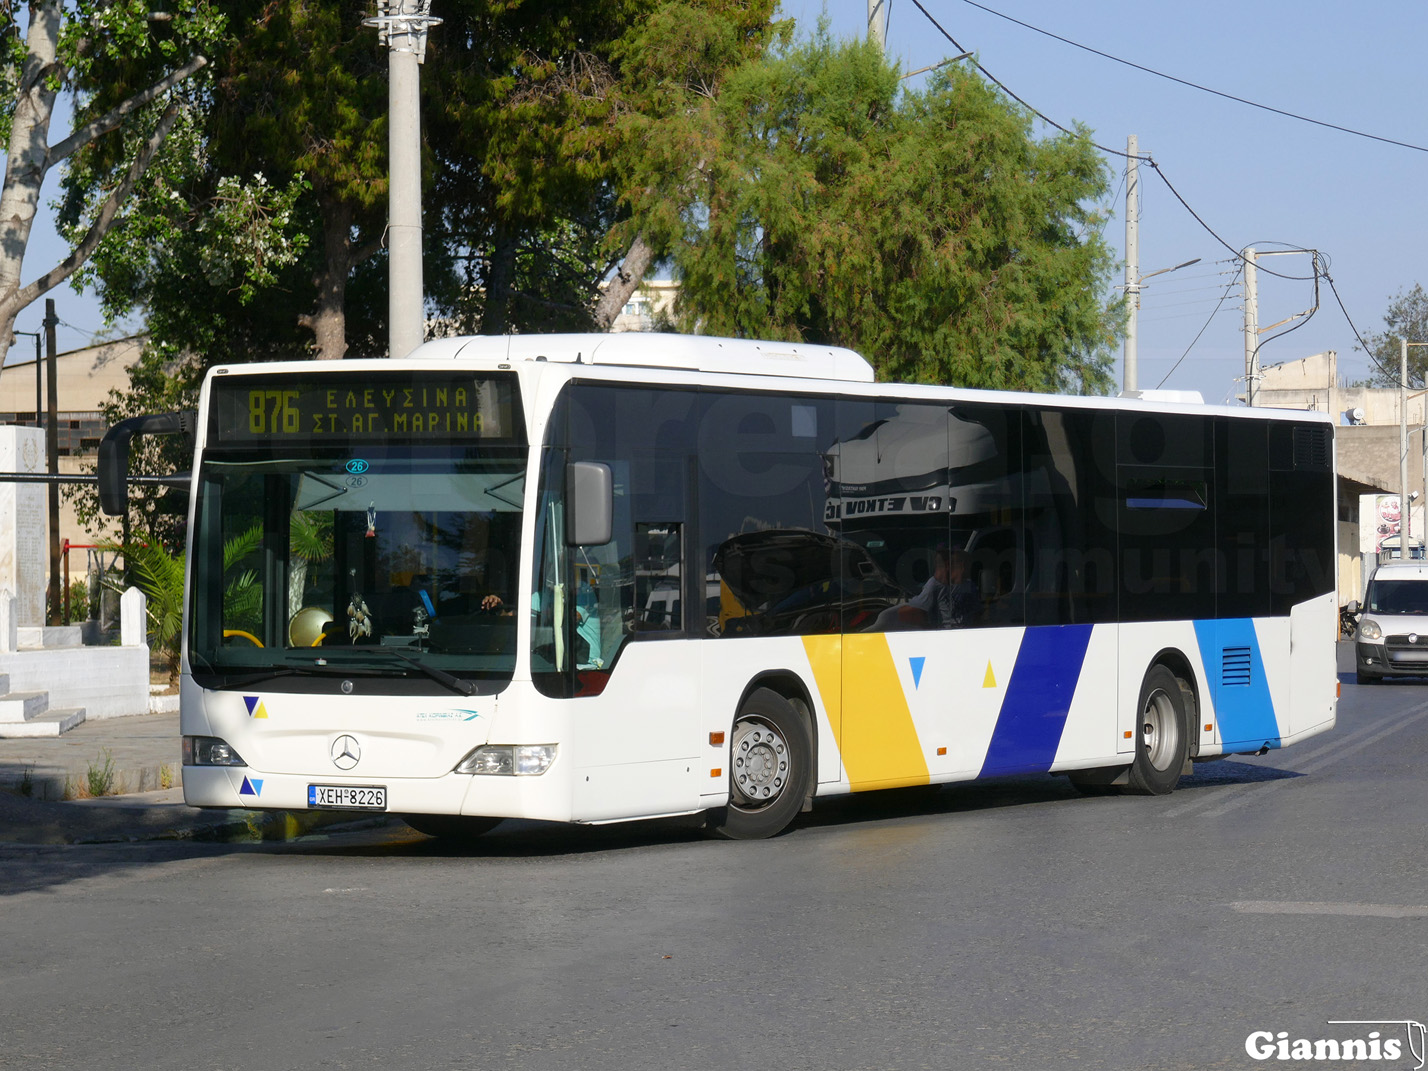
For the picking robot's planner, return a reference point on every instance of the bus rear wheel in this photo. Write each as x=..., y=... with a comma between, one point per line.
x=1164, y=742
x=456, y=828
x=770, y=763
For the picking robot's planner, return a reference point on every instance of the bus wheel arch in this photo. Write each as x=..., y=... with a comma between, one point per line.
x=771, y=767
x=788, y=684
x=1164, y=709
x=1175, y=660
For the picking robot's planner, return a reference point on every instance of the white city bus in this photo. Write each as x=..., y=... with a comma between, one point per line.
x=601, y=578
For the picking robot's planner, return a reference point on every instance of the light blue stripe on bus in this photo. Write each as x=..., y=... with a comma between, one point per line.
x=1243, y=709
x=1037, y=700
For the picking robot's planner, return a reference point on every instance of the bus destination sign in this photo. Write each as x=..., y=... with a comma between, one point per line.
x=375, y=408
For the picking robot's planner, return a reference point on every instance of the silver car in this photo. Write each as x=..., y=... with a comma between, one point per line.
x=1392, y=635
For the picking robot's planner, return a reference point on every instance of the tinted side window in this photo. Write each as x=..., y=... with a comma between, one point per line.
x=1164, y=471
x=770, y=564
x=1301, y=513
x=1242, y=516
x=631, y=586
x=888, y=504
x=1071, y=506
x=986, y=491
x=927, y=499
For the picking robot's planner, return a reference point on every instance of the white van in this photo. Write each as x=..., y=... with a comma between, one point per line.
x=1392, y=636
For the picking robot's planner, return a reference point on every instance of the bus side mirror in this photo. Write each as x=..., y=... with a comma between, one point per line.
x=114, y=454
x=589, y=503
x=1353, y=606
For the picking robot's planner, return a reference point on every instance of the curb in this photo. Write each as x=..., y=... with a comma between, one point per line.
x=117, y=820
x=244, y=827
x=279, y=826
x=50, y=782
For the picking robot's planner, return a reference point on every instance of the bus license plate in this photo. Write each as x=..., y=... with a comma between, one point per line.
x=348, y=797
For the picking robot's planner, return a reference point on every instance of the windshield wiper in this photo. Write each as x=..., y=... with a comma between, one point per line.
x=319, y=670
x=456, y=684
x=338, y=669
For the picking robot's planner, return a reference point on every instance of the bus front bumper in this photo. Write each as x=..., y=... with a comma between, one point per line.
x=469, y=794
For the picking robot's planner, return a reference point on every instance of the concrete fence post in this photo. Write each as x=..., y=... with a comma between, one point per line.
x=9, y=621
x=133, y=618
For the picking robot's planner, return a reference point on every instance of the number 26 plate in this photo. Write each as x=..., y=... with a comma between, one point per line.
x=348, y=797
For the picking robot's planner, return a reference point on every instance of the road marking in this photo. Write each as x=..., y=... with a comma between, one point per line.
x=1238, y=795
x=1377, y=911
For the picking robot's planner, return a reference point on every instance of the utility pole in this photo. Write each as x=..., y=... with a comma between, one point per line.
x=1132, y=359
x=402, y=26
x=1251, y=328
x=878, y=23
x=1405, y=504
x=52, y=461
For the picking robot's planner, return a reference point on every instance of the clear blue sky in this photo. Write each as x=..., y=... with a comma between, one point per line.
x=1256, y=178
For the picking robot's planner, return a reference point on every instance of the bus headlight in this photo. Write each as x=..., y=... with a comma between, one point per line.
x=1369, y=630
x=508, y=760
x=209, y=751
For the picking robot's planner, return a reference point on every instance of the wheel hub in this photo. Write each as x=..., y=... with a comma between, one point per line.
x=1156, y=737
x=760, y=758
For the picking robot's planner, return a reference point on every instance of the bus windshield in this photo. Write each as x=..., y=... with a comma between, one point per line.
x=394, y=561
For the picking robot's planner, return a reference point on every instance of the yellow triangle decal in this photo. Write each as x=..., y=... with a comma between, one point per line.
x=990, y=680
x=261, y=712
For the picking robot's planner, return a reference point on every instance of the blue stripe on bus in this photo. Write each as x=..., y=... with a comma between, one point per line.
x=1037, y=700
x=1243, y=709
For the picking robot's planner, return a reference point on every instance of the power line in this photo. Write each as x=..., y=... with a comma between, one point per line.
x=1195, y=85
x=1200, y=302
x=1112, y=152
x=1393, y=377
x=1228, y=287
x=1211, y=231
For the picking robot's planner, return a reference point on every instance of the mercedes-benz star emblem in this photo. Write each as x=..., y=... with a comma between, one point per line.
x=346, y=752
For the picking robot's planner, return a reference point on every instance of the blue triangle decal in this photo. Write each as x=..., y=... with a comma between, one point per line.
x=257, y=784
x=250, y=701
x=247, y=789
x=916, y=664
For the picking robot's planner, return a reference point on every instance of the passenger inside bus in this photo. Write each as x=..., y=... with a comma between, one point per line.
x=428, y=579
x=949, y=599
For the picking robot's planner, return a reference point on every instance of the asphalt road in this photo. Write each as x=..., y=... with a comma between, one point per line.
x=1012, y=924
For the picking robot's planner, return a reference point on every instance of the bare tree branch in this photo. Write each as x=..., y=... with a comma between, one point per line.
x=626, y=281
x=111, y=120
x=104, y=221
x=367, y=252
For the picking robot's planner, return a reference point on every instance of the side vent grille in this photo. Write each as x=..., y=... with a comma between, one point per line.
x=1235, y=666
x=1311, y=448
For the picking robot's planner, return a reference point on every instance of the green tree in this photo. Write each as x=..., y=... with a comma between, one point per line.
x=116, y=137
x=1406, y=317
x=282, y=190
x=929, y=230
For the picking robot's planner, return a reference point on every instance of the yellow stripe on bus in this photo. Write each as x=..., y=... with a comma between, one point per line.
x=867, y=710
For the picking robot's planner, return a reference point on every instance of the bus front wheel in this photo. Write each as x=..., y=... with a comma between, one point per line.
x=1164, y=743
x=770, y=763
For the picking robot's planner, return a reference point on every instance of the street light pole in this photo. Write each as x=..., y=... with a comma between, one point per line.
x=1133, y=289
x=403, y=25
x=1130, y=380
x=1405, y=504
